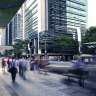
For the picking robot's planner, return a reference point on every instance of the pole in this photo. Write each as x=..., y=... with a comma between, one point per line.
x=45, y=49
x=30, y=54
x=29, y=50
x=45, y=44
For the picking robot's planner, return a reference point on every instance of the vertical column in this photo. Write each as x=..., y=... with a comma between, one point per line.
x=8, y=35
x=46, y=14
x=34, y=46
x=79, y=40
x=39, y=23
x=23, y=21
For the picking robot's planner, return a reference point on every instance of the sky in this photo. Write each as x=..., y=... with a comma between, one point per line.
x=91, y=13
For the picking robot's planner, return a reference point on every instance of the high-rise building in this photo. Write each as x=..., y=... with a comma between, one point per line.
x=32, y=21
x=58, y=17
x=15, y=28
x=8, y=35
x=65, y=16
x=3, y=37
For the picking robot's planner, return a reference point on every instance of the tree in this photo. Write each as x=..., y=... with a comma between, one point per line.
x=20, y=47
x=90, y=35
x=64, y=43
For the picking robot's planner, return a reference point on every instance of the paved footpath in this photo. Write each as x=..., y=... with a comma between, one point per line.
x=43, y=85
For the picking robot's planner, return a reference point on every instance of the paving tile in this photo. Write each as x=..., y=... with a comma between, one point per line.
x=41, y=85
x=79, y=94
x=6, y=90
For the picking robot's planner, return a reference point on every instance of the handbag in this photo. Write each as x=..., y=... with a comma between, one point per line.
x=9, y=70
x=13, y=69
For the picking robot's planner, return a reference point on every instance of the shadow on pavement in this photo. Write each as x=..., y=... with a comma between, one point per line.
x=70, y=82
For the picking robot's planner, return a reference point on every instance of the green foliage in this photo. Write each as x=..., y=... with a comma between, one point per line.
x=62, y=43
x=90, y=35
x=21, y=47
x=6, y=53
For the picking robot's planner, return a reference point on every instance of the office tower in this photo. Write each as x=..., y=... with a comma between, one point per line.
x=57, y=17
x=32, y=21
x=9, y=33
x=15, y=28
x=65, y=16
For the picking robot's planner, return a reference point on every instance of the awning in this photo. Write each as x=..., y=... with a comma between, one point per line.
x=8, y=9
x=3, y=48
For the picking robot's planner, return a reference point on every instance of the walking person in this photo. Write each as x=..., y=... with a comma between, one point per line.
x=20, y=65
x=13, y=67
x=8, y=62
x=79, y=66
x=24, y=64
x=3, y=64
x=32, y=65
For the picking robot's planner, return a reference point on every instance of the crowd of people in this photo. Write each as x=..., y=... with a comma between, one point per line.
x=20, y=66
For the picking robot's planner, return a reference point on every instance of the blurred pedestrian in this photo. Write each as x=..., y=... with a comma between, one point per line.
x=24, y=64
x=20, y=64
x=8, y=63
x=32, y=65
x=79, y=66
x=37, y=62
x=3, y=64
x=13, y=67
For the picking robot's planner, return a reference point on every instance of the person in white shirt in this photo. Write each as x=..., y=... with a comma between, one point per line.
x=13, y=67
x=24, y=64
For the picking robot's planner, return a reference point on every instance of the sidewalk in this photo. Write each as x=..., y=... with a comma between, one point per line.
x=6, y=90
x=44, y=85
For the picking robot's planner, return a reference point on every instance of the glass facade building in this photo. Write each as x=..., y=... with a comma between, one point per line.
x=67, y=15
x=32, y=22
x=77, y=14
x=59, y=17
x=31, y=18
x=14, y=28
